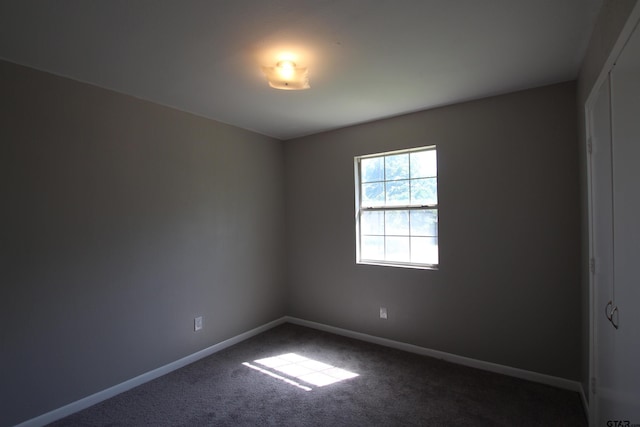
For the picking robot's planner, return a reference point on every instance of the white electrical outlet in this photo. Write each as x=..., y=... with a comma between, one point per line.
x=383, y=312
x=197, y=323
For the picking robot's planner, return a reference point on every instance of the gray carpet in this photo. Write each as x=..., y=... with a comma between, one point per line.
x=391, y=388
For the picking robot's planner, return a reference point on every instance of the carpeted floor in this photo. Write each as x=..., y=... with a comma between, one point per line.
x=392, y=388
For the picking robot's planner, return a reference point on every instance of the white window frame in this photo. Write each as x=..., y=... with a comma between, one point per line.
x=410, y=207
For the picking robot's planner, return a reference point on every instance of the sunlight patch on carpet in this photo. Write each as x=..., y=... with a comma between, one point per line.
x=276, y=376
x=302, y=368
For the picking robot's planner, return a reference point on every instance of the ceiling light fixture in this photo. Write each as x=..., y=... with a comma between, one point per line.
x=285, y=75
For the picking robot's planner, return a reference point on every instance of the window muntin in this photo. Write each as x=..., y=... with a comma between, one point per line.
x=397, y=208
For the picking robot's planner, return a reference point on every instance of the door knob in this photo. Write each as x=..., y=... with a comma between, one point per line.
x=609, y=311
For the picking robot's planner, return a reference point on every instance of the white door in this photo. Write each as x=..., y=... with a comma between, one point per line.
x=625, y=103
x=615, y=238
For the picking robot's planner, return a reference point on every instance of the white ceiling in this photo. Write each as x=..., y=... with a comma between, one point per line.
x=367, y=59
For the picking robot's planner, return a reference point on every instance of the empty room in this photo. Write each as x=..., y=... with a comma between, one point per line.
x=319, y=212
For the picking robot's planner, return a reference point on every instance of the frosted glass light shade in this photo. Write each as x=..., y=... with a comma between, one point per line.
x=285, y=75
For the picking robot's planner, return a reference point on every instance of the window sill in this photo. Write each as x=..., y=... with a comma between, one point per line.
x=400, y=265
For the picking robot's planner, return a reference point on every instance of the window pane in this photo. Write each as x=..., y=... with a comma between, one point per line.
x=424, y=164
x=397, y=208
x=397, y=193
x=372, y=169
x=424, y=223
x=373, y=194
x=424, y=191
x=397, y=222
x=424, y=250
x=372, y=223
x=372, y=247
x=396, y=167
x=397, y=249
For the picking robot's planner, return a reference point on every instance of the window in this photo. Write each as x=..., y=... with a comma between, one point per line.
x=397, y=208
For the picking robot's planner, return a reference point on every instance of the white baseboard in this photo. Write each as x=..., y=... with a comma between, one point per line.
x=98, y=397
x=460, y=360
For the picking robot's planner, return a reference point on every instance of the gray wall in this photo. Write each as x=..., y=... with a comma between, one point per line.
x=508, y=287
x=610, y=21
x=121, y=221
